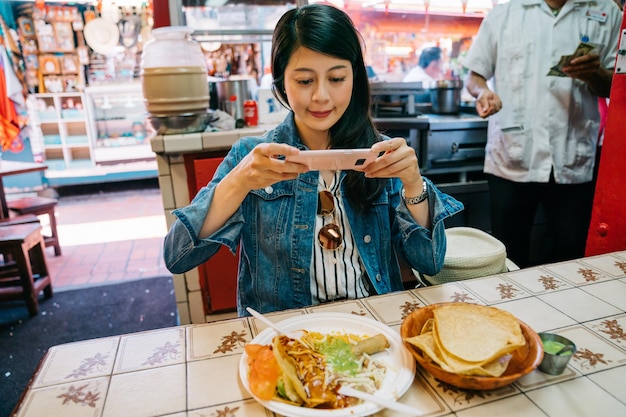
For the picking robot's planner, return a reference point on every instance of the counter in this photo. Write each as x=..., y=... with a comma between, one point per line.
x=193, y=370
x=173, y=154
x=458, y=121
x=216, y=141
x=444, y=143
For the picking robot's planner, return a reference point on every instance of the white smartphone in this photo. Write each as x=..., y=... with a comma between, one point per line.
x=334, y=159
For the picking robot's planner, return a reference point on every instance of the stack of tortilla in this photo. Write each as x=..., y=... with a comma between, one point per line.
x=470, y=339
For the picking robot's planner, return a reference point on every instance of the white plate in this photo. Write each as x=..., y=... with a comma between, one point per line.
x=399, y=362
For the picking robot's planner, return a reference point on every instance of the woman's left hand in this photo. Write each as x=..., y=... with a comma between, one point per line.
x=399, y=160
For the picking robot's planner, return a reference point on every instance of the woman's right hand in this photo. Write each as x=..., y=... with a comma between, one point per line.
x=262, y=167
x=259, y=169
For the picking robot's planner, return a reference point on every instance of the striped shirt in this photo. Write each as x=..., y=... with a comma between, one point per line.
x=336, y=274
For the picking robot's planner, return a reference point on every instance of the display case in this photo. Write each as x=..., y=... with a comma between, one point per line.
x=118, y=122
x=96, y=136
x=64, y=127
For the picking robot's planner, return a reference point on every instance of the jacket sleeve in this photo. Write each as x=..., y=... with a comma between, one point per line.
x=183, y=250
x=424, y=249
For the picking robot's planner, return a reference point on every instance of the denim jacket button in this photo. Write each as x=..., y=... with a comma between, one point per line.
x=269, y=189
x=378, y=277
x=367, y=239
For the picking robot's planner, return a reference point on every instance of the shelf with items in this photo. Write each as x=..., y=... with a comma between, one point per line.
x=118, y=120
x=53, y=60
x=64, y=127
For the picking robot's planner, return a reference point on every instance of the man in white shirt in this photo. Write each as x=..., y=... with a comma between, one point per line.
x=543, y=122
x=429, y=67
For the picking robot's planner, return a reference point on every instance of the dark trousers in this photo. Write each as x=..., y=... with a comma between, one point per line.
x=567, y=209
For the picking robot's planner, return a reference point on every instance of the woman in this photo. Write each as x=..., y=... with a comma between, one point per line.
x=308, y=237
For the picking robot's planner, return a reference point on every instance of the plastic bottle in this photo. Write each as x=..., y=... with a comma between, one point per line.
x=250, y=113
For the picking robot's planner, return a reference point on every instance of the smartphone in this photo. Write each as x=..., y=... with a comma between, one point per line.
x=334, y=159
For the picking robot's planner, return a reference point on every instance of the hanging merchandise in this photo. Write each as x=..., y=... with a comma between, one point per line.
x=50, y=53
x=11, y=59
x=129, y=27
x=9, y=119
x=12, y=92
x=102, y=35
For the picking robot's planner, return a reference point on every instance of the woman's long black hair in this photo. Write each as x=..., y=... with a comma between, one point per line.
x=329, y=31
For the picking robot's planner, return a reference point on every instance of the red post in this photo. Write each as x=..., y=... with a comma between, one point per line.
x=161, y=13
x=607, y=230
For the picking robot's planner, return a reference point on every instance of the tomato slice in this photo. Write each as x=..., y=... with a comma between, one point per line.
x=263, y=370
x=252, y=350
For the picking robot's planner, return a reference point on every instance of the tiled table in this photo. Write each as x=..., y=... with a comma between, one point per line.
x=193, y=370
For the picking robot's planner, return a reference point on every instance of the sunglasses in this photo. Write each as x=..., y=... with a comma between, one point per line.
x=329, y=236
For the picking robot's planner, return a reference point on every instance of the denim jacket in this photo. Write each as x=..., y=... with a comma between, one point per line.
x=274, y=227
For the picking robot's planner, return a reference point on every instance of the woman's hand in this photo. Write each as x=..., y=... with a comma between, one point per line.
x=259, y=169
x=262, y=166
x=399, y=160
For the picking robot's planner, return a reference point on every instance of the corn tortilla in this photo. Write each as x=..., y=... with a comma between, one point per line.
x=476, y=334
x=426, y=343
x=476, y=340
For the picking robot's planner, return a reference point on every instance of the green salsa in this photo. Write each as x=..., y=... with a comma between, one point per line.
x=552, y=347
x=339, y=356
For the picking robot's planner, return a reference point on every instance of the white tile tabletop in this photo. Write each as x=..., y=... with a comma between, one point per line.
x=193, y=370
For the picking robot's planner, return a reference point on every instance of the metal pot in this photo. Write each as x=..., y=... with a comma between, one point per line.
x=445, y=96
x=232, y=93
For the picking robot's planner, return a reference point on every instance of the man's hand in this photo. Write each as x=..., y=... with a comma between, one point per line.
x=487, y=102
x=584, y=67
x=587, y=69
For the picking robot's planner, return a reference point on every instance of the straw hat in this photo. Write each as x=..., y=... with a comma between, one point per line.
x=101, y=35
x=470, y=253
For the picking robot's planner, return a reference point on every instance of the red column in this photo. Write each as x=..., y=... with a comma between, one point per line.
x=607, y=230
x=161, y=13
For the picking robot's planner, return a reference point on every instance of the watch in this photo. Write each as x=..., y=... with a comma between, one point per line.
x=418, y=199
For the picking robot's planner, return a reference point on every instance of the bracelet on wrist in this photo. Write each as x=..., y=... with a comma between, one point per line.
x=416, y=200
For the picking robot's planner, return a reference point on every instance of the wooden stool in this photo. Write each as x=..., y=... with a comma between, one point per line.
x=39, y=206
x=21, y=219
x=24, y=273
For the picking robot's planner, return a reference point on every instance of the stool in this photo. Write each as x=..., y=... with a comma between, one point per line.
x=24, y=273
x=39, y=206
x=21, y=219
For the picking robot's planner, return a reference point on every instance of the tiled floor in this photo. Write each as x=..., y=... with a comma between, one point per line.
x=108, y=233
